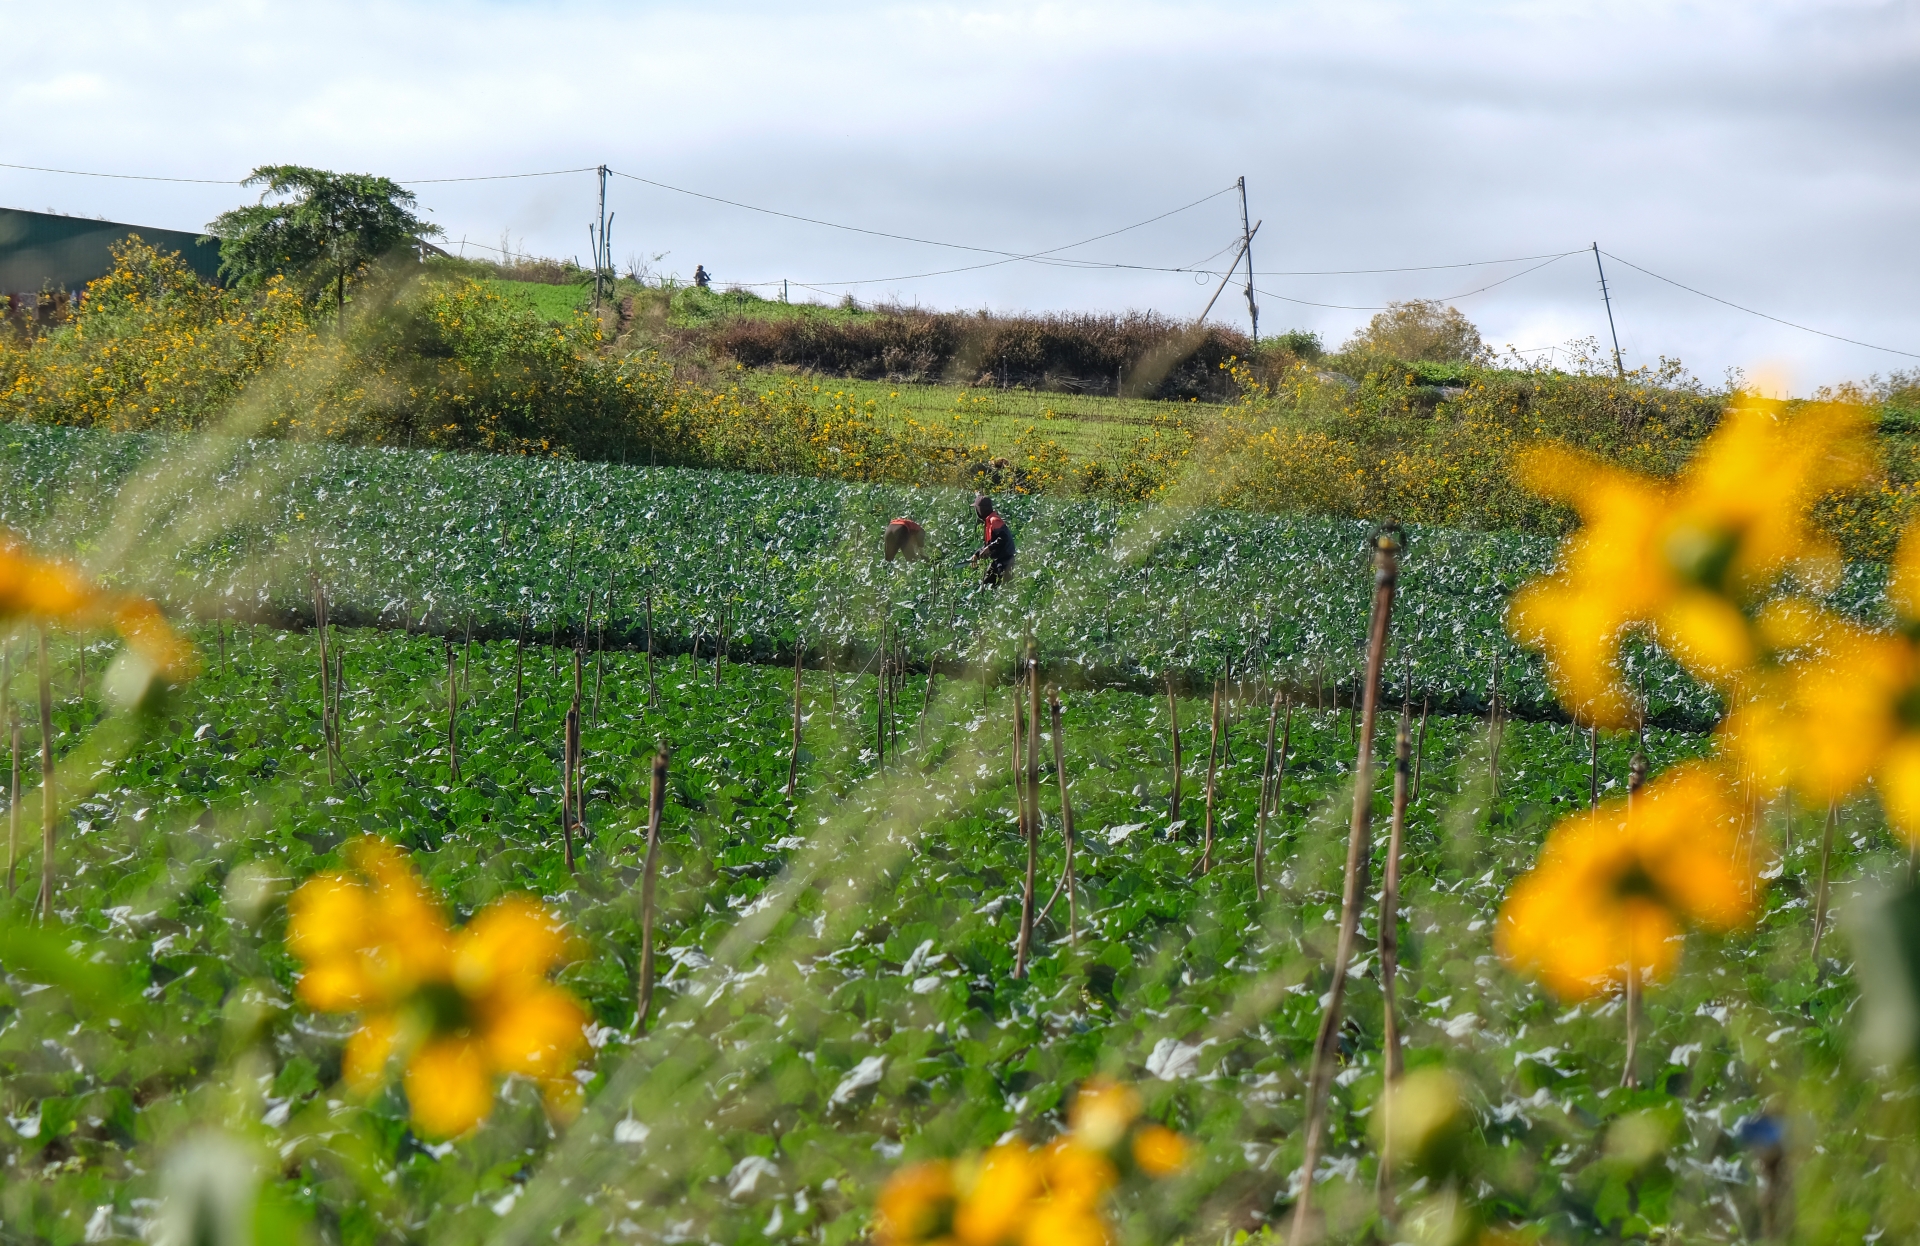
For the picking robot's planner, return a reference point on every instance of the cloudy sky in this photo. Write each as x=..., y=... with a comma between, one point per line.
x=1762, y=152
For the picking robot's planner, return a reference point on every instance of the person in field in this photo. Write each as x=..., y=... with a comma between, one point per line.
x=906, y=539
x=996, y=541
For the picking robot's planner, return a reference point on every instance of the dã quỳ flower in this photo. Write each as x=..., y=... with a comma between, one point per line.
x=1688, y=557
x=41, y=589
x=457, y=1008
x=1615, y=886
x=1842, y=707
x=1016, y=1195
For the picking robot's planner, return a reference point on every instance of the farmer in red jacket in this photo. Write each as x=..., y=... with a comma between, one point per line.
x=996, y=541
x=905, y=538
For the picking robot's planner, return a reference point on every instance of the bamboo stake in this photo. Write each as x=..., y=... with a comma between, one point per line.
x=1636, y=779
x=1420, y=749
x=221, y=627
x=1066, y=818
x=47, y=793
x=326, y=692
x=569, y=743
x=1593, y=769
x=649, y=644
x=1173, y=716
x=719, y=644
x=600, y=647
x=1027, y=770
x=466, y=661
x=1390, y=956
x=649, y=879
x=793, y=761
x=1213, y=757
x=13, y=791
x=1820, y=895
x=1386, y=574
x=453, y=716
x=579, y=748
x=519, y=668
x=1266, y=796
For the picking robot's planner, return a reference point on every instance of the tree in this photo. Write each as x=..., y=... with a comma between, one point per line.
x=1420, y=329
x=319, y=229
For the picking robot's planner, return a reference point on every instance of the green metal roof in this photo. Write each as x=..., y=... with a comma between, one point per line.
x=42, y=250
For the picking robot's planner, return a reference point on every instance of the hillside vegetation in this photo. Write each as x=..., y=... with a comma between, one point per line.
x=454, y=363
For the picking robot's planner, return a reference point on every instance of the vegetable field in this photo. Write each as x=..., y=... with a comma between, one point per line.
x=839, y=965
x=1112, y=595
x=783, y=904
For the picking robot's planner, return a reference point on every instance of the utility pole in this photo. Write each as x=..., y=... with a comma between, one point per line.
x=1607, y=298
x=602, y=252
x=1246, y=249
x=1246, y=245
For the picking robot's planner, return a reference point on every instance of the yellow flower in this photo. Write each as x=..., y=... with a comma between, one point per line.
x=460, y=1008
x=1614, y=887
x=1844, y=708
x=35, y=588
x=1101, y=1113
x=917, y=1206
x=1159, y=1151
x=998, y=1190
x=1686, y=557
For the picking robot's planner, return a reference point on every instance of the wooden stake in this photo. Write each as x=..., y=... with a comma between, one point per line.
x=600, y=647
x=1820, y=894
x=1386, y=574
x=47, y=793
x=1269, y=793
x=1023, y=770
x=13, y=791
x=1390, y=956
x=1213, y=757
x=649, y=644
x=1420, y=749
x=1066, y=817
x=466, y=661
x=326, y=680
x=793, y=761
x=519, y=668
x=453, y=716
x=1636, y=779
x=649, y=879
x=1173, y=717
x=569, y=744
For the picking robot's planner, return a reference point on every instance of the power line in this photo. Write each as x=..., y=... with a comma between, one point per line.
x=1891, y=350
x=220, y=181
x=1445, y=298
x=122, y=177
x=929, y=242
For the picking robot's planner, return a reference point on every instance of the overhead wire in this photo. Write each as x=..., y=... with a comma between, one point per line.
x=1851, y=341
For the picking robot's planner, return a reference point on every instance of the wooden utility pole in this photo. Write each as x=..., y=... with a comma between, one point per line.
x=1246, y=249
x=1620, y=369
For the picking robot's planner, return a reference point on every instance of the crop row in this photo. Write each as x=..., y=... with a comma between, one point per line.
x=1110, y=594
x=839, y=983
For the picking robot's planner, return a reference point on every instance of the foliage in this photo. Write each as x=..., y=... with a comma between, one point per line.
x=325, y=228
x=1419, y=329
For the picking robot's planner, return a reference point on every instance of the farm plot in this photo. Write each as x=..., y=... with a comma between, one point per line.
x=1111, y=595
x=838, y=988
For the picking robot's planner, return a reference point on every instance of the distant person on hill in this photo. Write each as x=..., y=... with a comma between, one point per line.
x=702, y=279
x=906, y=539
x=996, y=541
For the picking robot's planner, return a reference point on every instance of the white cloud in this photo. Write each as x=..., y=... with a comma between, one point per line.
x=1759, y=151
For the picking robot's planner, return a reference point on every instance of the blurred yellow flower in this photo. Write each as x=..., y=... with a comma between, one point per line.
x=1015, y=1195
x=917, y=1206
x=460, y=1008
x=37, y=588
x=1614, y=889
x=1687, y=557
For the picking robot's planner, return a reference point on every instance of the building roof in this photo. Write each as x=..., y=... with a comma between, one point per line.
x=43, y=250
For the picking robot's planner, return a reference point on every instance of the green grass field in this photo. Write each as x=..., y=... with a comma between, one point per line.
x=1084, y=424
x=553, y=302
